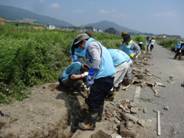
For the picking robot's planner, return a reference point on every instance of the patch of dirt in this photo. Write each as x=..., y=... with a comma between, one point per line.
x=41, y=115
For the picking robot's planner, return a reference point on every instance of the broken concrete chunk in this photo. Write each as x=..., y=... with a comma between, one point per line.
x=132, y=104
x=115, y=136
x=160, y=84
x=100, y=134
x=156, y=93
x=116, y=121
x=140, y=76
x=166, y=108
x=129, y=124
x=127, y=116
x=141, y=122
x=134, y=110
x=137, y=82
x=150, y=84
x=124, y=132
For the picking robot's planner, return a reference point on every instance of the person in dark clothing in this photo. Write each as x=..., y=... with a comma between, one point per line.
x=179, y=50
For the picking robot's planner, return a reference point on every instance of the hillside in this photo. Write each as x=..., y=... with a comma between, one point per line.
x=103, y=25
x=13, y=13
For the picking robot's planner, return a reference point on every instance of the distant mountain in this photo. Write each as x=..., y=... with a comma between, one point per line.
x=104, y=25
x=13, y=13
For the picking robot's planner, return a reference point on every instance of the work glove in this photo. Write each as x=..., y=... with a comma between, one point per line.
x=90, y=77
x=90, y=81
x=84, y=74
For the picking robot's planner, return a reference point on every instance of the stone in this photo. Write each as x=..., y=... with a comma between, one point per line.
x=144, y=110
x=171, y=78
x=134, y=110
x=129, y=124
x=124, y=132
x=141, y=122
x=166, y=108
x=140, y=76
x=132, y=104
x=116, y=136
x=116, y=121
x=127, y=116
x=100, y=134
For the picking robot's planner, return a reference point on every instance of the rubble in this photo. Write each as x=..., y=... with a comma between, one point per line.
x=124, y=132
x=134, y=110
x=127, y=117
x=160, y=84
x=141, y=122
x=129, y=124
x=156, y=92
x=116, y=136
x=100, y=134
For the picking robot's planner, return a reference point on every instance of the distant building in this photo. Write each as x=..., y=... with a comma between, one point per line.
x=51, y=27
x=170, y=36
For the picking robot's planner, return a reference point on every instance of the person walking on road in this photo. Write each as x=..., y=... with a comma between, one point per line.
x=179, y=50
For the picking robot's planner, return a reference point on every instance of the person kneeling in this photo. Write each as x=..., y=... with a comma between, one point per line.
x=73, y=76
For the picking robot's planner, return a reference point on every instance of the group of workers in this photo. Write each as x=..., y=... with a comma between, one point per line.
x=102, y=70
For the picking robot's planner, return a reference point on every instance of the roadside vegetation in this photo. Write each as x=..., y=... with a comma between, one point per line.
x=169, y=43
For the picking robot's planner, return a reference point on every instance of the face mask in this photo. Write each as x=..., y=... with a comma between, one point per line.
x=80, y=52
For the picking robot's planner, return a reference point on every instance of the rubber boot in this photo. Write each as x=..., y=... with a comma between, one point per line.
x=89, y=123
x=100, y=114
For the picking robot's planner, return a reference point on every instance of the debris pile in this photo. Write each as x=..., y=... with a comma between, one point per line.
x=143, y=77
x=124, y=115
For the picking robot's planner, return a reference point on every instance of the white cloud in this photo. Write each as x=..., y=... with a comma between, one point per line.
x=166, y=14
x=55, y=6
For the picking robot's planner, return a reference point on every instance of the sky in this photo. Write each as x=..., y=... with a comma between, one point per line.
x=153, y=16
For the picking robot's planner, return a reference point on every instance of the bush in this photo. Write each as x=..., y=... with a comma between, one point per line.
x=168, y=42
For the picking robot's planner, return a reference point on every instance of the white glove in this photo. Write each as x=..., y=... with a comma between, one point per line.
x=84, y=74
